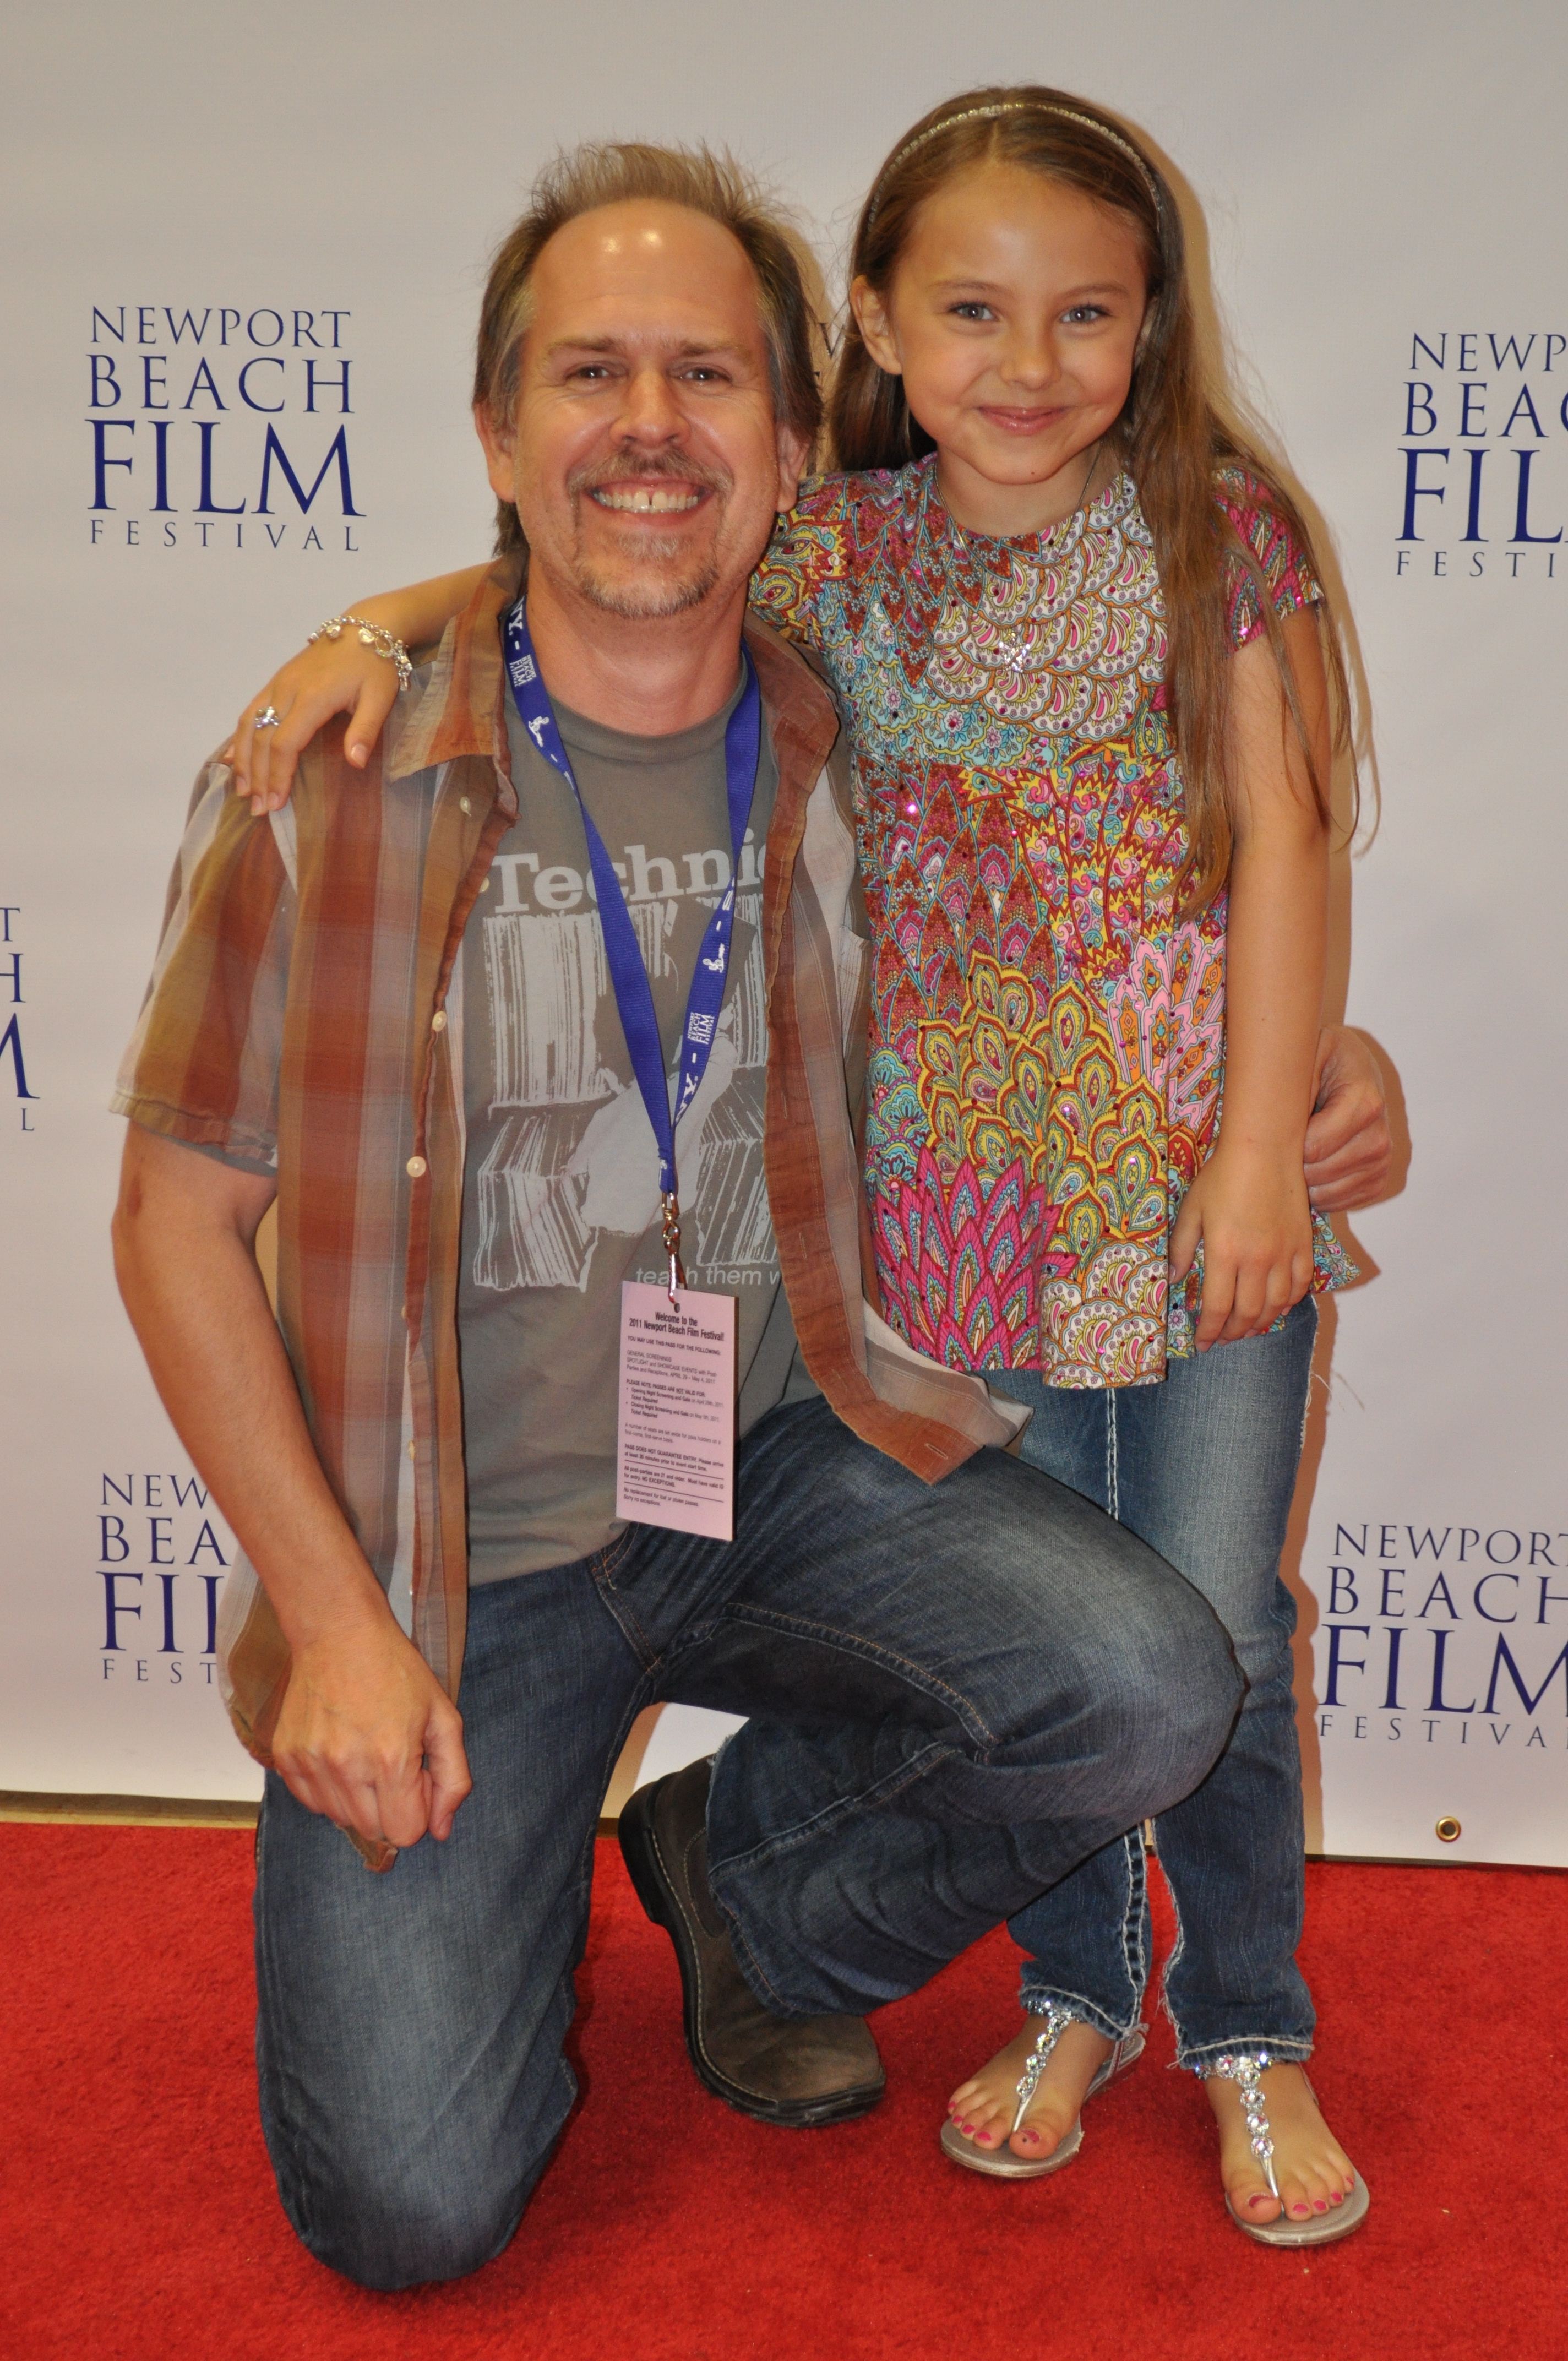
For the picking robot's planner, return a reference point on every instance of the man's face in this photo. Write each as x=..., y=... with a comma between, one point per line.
x=645, y=460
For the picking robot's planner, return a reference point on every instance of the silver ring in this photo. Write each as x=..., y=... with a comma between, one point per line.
x=268, y=718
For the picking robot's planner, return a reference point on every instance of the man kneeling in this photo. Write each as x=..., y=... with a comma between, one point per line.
x=961, y=1679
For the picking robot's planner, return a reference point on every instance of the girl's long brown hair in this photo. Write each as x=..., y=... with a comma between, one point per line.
x=1172, y=436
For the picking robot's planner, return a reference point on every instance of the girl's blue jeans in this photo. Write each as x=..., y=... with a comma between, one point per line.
x=1203, y=1467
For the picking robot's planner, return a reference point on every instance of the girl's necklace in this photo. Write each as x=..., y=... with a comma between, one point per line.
x=1094, y=450
x=1043, y=532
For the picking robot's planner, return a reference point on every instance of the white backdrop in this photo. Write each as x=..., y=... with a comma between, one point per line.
x=319, y=190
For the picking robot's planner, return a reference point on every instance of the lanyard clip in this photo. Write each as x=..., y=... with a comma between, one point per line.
x=671, y=1238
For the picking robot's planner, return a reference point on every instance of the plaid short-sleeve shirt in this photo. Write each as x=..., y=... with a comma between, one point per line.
x=298, y=1018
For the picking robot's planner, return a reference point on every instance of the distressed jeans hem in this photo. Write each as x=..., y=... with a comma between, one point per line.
x=1202, y=2057
x=1038, y=1997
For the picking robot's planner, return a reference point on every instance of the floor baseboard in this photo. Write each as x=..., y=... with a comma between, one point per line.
x=148, y=1811
x=129, y=1811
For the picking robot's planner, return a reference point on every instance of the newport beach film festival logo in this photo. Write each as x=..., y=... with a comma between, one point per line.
x=1446, y=1637
x=163, y=1555
x=1485, y=456
x=216, y=428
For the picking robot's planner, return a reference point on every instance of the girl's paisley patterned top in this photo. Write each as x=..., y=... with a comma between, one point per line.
x=1047, y=1036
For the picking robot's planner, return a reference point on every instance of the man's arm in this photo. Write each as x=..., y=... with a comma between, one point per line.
x=367, y=1735
x=1349, y=1149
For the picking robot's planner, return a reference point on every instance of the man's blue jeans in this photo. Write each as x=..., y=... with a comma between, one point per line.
x=957, y=1692
x=1203, y=1468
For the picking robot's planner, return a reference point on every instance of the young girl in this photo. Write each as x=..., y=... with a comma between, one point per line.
x=1078, y=638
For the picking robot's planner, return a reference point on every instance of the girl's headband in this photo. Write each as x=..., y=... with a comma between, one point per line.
x=1019, y=106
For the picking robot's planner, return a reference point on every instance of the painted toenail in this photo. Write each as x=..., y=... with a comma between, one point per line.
x=1299, y=2210
x=1257, y=2200
x=1319, y=2206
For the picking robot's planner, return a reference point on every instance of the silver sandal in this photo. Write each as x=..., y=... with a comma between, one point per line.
x=1243, y=2067
x=999, y=2162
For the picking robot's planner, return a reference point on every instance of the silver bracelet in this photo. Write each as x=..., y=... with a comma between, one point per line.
x=371, y=635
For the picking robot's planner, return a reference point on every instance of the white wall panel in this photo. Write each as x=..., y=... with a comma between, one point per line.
x=1366, y=176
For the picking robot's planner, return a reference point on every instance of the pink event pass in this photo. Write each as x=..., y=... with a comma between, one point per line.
x=675, y=1464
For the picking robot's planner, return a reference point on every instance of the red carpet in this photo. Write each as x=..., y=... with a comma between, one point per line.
x=139, y=2221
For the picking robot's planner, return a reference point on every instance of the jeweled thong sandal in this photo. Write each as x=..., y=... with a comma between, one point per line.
x=999, y=2162
x=1242, y=2068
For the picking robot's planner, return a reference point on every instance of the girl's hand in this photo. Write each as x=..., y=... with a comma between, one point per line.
x=1250, y=1213
x=338, y=675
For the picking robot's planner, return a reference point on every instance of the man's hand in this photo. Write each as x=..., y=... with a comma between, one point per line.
x=369, y=1738
x=1349, y=1149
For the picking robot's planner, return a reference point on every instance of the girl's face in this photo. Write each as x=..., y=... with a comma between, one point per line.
x=1013, y=316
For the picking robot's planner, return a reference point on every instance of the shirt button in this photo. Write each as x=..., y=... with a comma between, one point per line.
x=415, y=1167
x=464, y=805
x=410, y=1451
x=438, y=1022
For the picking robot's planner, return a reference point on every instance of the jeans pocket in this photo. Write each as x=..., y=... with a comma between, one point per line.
x=604, y=1567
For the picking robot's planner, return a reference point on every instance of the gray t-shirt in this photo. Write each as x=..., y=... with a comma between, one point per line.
x=561, y=1181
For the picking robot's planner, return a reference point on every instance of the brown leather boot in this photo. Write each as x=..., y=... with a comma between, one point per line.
x=797, y=2070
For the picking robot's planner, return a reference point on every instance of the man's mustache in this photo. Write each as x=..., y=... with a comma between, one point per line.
x=628, y=468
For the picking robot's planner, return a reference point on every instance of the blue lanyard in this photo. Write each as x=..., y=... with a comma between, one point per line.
x=628, y=976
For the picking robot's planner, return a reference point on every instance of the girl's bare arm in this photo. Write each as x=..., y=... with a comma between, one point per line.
x=339, y=677
x=1248, y=1206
